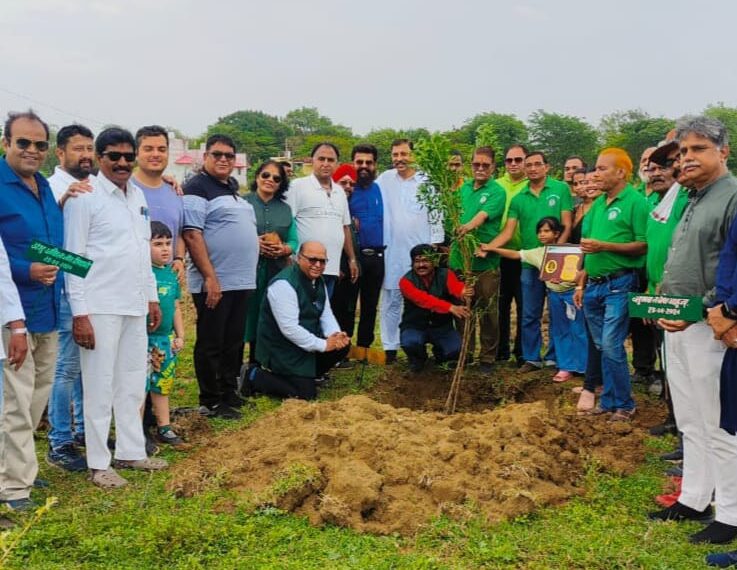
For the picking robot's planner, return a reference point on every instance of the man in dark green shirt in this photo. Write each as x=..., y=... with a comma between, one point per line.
x=482, y=208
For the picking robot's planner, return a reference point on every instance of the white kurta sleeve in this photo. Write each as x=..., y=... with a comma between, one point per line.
x=285, y=308
x=10, y=305
x=76, y=231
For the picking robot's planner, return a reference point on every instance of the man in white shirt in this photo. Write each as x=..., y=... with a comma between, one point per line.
x=320, y=208
x=111, y=227
x=298, y=336
x=75, y=149
x=407, y=223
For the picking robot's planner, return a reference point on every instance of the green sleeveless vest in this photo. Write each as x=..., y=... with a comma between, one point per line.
x=417, y=318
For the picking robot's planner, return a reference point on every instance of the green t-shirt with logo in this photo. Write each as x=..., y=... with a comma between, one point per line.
x=528, y=209
x=489, y=198
x=511, y=189
x=659, y=234
x=624, y=220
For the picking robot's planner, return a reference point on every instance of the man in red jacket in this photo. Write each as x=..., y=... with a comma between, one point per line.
x=429, y=294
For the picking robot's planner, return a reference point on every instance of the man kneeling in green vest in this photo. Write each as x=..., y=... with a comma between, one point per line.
x=298, y=338
x=429, y=294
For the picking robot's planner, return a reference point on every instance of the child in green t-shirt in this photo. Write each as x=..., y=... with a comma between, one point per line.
x=567, y=324
x=162, y=347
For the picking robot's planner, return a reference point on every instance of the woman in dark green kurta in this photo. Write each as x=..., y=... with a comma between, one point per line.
x=272, y=215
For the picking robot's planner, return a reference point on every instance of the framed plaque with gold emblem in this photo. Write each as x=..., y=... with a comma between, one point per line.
x=561, y=262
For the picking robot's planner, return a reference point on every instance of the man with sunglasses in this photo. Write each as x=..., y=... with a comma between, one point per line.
x=299, y=338
x=513, y=181
x=222, y=239
x=28, y=212
x=482, y=208
x=111, y=226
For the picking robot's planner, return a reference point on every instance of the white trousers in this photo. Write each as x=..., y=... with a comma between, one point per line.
x=391, y=316
x=693, y=363
x=114, y=380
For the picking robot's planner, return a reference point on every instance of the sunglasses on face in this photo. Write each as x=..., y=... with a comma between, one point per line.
x=115, y=156
x=219, y=155
x=481, y=165
x=361, y=162
x=23, y=144
x=315, y=260
x=269, y=176
x=514, y=160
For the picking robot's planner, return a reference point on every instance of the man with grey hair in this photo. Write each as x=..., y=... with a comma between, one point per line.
x=693, y=355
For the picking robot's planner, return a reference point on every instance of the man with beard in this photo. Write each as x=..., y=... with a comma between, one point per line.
x=693, y=354
x=367, y=211
x=111, y=227
x=75, y=150
x=320, y=208
x=28, y=211
x=407, y=222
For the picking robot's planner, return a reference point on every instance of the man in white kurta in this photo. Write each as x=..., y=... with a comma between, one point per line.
x=11, y=317
x=407, y=223
x=111, y=226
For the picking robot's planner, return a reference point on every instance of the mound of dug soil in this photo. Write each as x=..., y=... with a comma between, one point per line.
x=366, y=465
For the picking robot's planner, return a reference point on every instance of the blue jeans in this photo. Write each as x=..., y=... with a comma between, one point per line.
x=605, y=307
x=66, y=391
x=533, y=301
x=569, y=334
x=445, y=341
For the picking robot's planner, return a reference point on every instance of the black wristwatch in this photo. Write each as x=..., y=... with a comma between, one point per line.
x=728, y=313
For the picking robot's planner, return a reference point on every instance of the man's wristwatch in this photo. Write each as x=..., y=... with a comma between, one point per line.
x=728, y=313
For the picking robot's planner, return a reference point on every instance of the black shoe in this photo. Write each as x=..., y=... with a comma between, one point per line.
x=66, y=457
x=41, y=484
x=244, y=387
x=716, y=533
x=675, y=471
x=168, y=436
x=667, y=428
x=391, y=356
x=345, y=364
x=79, y=440
x=645, y=378
x=675, y=455
x=225, y=412
x=152, y=448
x=679, y=512
x=486, y=367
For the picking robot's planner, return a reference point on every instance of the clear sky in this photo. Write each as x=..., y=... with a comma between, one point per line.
x=381, y=63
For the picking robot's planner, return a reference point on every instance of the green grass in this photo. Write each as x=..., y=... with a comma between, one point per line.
x=143, y=526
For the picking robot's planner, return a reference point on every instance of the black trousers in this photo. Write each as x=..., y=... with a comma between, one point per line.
x=372, y=277
x=510, y=289
x=218, y=350
x=644, y=341
x=343, y=303
x=301, y=387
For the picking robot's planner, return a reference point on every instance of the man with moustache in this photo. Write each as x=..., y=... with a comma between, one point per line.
x=367, y=211
x=694, y=351
x=644, y=187
x=407, y=222
x=111, y=227
x=320, y=208
x=28, y=211
x=513, y=181
x=75, y=150
x=570, y=166
x=221, y=236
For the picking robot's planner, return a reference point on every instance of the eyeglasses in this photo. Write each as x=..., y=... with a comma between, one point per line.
x=115, y=156
x=23, y=144
x=481, y=165
x=514, y=160
x=314, y=260
x=219, y=155
x=268, y=175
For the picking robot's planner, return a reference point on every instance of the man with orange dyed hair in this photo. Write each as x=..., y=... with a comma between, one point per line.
x=614, y=244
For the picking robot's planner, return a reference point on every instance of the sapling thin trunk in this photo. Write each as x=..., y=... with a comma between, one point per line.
x=440, y=197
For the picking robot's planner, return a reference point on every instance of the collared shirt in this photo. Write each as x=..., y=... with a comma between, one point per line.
x=623, y=220
x=490, y=199
x=320, y=216
x=228, y=226
x=285, y=308
x=113, y=229
x=528, y=209
x=10, y=306
x=367, y=207
x=698, y=239
x=407, y=223
x=659, y=234
x=23, y=218
x=511, y=189
x=60, y=181
x=165, y=206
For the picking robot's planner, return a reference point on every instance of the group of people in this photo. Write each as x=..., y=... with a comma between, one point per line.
x=284, y=269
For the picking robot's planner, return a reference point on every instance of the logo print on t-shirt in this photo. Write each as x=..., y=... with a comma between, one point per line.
x=483, y=199
x=552, y=201
x=613, y=213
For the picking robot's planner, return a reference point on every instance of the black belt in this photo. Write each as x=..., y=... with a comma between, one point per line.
x=610, y=276
x=369, y=251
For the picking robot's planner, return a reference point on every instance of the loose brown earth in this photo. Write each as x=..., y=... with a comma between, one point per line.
x=391, y=463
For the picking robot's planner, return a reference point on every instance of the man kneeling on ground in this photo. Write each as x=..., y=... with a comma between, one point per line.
x=298, y=337
x=429, y=309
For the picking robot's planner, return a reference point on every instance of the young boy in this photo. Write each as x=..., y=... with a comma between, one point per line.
x=162, y=348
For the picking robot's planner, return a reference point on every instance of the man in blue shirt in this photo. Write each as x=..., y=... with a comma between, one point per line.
x=28, y=211
x=367, y=211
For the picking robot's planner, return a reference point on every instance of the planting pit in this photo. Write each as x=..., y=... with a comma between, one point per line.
x=390, y=466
